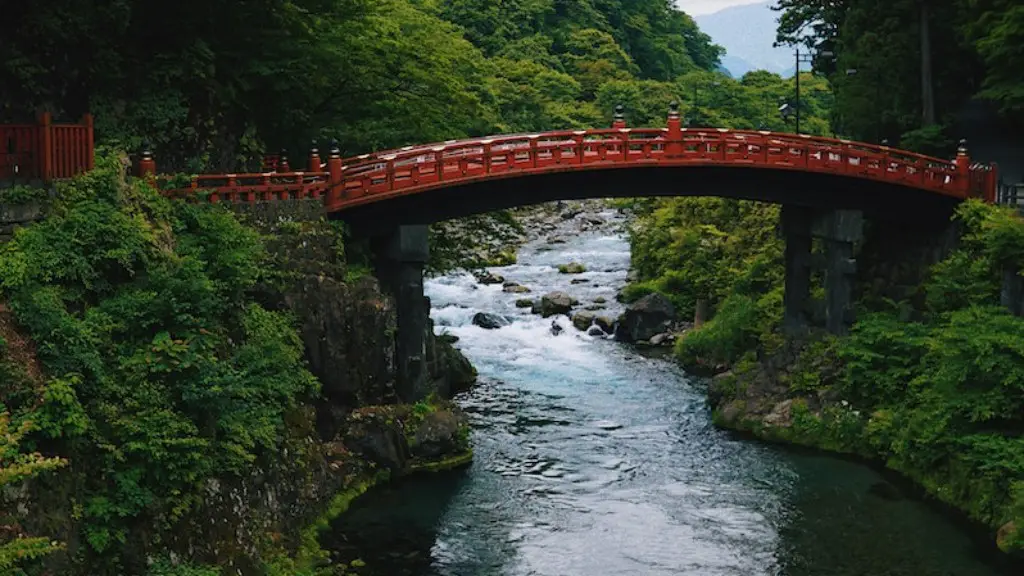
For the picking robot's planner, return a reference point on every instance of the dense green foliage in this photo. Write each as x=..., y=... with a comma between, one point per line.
x=974, y=51
x=937, y=393
x=726, y=252
x=211, y=83
x=164, y=373
x=16, y=466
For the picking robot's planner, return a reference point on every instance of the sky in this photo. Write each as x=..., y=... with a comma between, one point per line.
x=698, y=7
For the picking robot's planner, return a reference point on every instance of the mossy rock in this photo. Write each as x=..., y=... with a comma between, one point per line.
x=572, y=268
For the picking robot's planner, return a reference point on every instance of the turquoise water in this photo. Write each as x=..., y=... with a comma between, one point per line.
x=592, y=460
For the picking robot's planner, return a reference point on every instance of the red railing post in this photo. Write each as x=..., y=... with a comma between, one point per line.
x=282, y=162
x=314, y=158
x=44, y=155
x=334, y=169
x=146, y=167
x=90, y=143
x=991, y=183
x=963, y=168
x=674, y=145
x=619, y=119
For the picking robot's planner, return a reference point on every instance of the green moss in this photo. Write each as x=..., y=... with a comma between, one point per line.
x=310, y=557
x=450, y=463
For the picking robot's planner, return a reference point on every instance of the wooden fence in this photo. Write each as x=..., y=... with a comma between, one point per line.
x=44, y=150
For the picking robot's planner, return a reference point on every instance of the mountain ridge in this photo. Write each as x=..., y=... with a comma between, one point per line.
x=747, y=33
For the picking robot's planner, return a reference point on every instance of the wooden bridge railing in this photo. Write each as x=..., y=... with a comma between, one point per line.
x=46, y=151
x=345, y=183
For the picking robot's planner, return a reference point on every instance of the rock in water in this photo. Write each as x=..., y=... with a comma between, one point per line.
x=556, y=329
x=556, y=303
x=524, y=303
x=515, y=289
x=583, y=320
x=489, y=321
x=572, y=268
x=605, y=323
x=595, y=331
x=646, y=318
x=488, y=278
x=438, y=434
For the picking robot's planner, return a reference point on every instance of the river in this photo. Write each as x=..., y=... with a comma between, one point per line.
x=594, y=460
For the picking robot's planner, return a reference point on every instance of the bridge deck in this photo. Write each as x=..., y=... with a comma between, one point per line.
x=352, y=182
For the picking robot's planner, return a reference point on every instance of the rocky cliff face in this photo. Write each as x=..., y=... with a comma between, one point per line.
x=355, y=429
x=344, y=439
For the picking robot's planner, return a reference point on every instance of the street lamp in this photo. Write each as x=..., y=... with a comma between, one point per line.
x=808, y=58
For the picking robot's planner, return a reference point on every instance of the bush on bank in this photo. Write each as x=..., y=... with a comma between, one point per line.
x=939, y=398
x=163, y=373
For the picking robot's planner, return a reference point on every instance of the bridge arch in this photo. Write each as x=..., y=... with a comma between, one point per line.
x=424, y=184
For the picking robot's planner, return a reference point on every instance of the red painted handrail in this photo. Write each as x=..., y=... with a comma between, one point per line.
x=368, y=178
x=46, y=151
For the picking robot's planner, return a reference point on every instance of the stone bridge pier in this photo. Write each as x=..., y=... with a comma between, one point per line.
x=839, y=231
x=400, y=256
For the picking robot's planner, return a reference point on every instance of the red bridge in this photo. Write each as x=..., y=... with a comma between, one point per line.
x=425, y=183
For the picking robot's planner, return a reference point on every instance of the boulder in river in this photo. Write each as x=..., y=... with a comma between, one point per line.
x=556, y=303
x=488, y=278
x=661, y=339
x=595, y=331
x=572, y=268
x=600, y=300
x=646, y=318
x=580, y=281
x=583, y=320
x=489, y=321
x=524, y=303
x=605, y=323
x=438, y=434
x=516, y=289
x=556, y=328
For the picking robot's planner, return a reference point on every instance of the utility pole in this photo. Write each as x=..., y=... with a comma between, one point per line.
x=927, y=94
x=798, y=91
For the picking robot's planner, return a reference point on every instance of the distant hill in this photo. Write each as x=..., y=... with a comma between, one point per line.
x=747, y=33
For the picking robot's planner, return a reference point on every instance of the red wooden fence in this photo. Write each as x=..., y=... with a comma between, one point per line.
x=46, y=151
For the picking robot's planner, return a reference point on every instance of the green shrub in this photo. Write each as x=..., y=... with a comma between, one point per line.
x=165, y=373
x=725, y=338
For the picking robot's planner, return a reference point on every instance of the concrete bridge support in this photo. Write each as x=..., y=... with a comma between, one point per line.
x=840, y=231
x=400, y=258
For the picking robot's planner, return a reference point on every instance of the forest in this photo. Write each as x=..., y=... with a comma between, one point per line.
x=928, y=383
x=212, y=85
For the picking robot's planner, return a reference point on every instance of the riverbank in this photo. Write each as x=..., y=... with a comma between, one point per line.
x=598, y=459
x=926, y=389
x=188, y=389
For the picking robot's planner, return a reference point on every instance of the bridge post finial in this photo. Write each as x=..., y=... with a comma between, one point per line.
x=282, y=162
x=963, y=166
x=314, y=157
x=146, y=167
x=619, y=119
x=334, y=170
x=674, y=145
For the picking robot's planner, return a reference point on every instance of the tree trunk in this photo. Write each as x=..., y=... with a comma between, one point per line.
x=927, y=92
